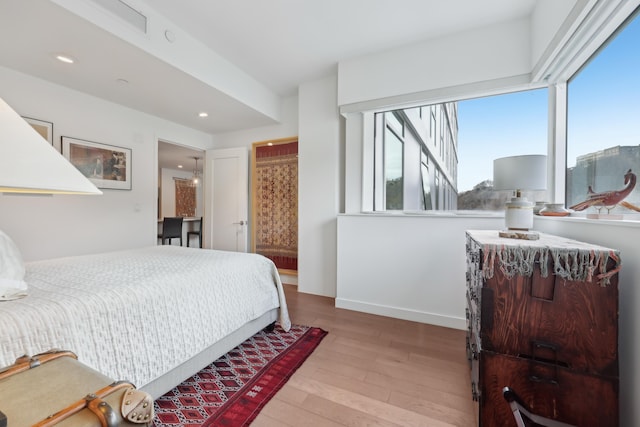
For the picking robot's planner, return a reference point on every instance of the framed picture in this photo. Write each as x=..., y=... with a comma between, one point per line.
x=43, y=128
x=107, y=166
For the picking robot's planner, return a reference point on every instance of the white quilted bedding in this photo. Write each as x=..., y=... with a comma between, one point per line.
x=134, y=315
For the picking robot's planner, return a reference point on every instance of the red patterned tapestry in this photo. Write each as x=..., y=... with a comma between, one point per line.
x=276, y=203
x=185, y=198
x=233, y=389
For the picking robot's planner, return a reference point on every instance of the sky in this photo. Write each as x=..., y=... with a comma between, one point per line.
x=603, y=111
x=499, y=126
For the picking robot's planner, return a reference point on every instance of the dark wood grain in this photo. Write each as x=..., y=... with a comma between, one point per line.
x=578, y=319
x=554, y=342
x=557, y=393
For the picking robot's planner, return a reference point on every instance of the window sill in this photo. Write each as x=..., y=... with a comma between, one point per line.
x=626, y=220
x=437, y=214
x=631, y=220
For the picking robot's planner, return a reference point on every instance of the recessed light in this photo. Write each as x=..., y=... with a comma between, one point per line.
x=270, y=144
x=203, y=114
x=122, y=81
x=170, y=36
x=179, y=166
x=65, y=58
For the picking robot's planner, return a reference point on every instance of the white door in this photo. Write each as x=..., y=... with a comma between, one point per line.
x=227, y=195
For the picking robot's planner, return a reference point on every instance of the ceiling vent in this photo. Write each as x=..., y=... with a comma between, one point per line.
x=125, y=12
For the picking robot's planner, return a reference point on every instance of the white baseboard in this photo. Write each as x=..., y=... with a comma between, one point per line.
x=403, y=313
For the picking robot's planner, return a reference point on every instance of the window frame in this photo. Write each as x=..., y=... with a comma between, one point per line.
x=564, y=101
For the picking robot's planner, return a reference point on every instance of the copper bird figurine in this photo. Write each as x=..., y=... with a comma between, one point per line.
x=609, y=199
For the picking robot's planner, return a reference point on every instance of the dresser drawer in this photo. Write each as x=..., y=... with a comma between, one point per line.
x=572, y=323
x=546, y=390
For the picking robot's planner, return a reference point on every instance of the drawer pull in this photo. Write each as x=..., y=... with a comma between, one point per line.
x=537, y=379
x=546, y=352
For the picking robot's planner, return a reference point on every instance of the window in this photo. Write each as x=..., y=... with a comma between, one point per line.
x=427, y=202
x=432, y=127
x=417, y=177
x=602, y=124
x=393, y=170
x=440, y=157
x=457, y=142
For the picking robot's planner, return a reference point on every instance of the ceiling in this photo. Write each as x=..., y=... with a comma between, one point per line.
x=173, y=156
x=283, y=43
x=278, y=43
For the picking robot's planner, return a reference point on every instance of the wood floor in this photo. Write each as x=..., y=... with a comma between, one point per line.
x=373, y=371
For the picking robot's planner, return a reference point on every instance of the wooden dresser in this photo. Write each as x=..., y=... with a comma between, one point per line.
x=542, y=319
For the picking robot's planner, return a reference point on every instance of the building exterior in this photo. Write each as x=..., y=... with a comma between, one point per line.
x=603, y=170
x=416, y=158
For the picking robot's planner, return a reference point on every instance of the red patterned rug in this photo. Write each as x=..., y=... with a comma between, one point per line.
x=233, y=389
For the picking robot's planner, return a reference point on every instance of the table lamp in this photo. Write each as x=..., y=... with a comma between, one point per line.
x=30, y=164
x=520, y=173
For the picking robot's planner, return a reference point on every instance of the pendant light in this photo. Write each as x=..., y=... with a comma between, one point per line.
x=196, y=173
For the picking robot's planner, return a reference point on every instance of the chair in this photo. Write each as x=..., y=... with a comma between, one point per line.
x=197, y=232
x=171, y=229
x=518, y=409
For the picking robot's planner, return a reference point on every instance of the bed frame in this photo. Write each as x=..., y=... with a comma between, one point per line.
x=169, y=380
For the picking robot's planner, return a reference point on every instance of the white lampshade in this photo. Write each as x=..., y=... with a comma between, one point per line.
x=520, y=173
x=527, y=172
x=29, y=164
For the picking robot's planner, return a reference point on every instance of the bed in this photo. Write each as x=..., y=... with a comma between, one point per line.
x=153, y=316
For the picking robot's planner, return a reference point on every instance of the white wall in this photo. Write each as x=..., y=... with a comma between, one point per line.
x=625, y=238
x=244, y=138
x=406, y=266
x=47, y=227
x=319, y=186
x=485, y=54
x=313, y=117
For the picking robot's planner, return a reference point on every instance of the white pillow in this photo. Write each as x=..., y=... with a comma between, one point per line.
x=12, y=285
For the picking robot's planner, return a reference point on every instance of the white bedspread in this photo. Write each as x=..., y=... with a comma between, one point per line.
x=136, y=314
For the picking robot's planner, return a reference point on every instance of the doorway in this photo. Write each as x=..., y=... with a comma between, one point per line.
x=179, y=167
x=274, y=202
x=227, y=199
